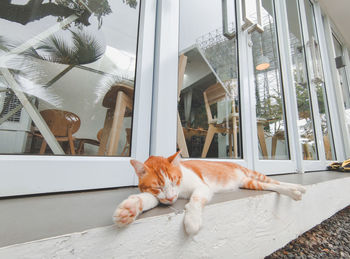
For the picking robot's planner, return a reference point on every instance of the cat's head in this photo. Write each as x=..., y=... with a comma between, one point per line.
x=160, y=176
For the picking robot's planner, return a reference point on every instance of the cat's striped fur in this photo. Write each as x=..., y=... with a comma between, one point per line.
x=165, y=180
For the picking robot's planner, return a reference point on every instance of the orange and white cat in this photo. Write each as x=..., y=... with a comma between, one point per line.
x=165, y=180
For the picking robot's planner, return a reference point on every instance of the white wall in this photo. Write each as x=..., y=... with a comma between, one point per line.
x=246, y=228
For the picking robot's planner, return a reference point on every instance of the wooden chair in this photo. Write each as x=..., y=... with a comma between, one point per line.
x=261, y=136
x=279, y=135
x=119, y=101
x=327, y=147
x=307, y=155
x=83, y=141
x=126, y=149
x=181, y=141
x=63, y=125
x=213, y=95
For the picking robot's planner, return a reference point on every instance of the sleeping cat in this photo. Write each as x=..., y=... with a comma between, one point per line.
x=165, y=180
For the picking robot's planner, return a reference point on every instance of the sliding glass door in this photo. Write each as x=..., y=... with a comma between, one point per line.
x=273, y=145
x=251, y=85
x=306, y=125
x=209, y=121
x=71, y=79
x=231, y=104
x=340, y=58
x=317, y=88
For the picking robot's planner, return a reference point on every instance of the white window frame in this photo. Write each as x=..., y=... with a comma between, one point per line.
x=321, y=163
x=309, y=165
x=164, y=112
x=31, y=174
x=330, y=89
x=329, y=30
x=273, y=166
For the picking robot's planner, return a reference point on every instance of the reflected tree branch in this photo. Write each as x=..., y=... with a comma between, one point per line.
x=35, y=10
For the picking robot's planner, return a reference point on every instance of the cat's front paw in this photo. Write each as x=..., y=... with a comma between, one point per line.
x=127, y=211
x=301, y=188
x=295, y=195
x=193, y=219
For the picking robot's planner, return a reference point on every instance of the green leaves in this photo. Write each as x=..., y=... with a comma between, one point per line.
x=86, y=48
x=131, y=3
x=82, y=48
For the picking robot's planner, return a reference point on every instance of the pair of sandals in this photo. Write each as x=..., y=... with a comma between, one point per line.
x=340, y=166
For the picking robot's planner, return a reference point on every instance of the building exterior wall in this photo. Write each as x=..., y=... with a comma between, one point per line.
x=250, y=227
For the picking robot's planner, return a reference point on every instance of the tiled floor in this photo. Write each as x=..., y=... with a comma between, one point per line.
x=31, y=218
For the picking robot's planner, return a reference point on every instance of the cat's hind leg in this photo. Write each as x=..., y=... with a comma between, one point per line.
x=298, y=187
x=252, y=184
x=263, y=178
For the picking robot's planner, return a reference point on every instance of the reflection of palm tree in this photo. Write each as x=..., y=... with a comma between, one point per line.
x=4, y=45
x=131, y=3
x=35, y=10
x=25, y=77
x=110, y=80
x=85, y=49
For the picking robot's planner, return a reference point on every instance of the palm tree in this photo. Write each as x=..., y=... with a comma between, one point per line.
x=26, y=77
x=85, y=49
x=4, y=47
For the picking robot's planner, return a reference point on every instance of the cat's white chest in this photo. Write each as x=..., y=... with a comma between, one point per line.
x=190, y=181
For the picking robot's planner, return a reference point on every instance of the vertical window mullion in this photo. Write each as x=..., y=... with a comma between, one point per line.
x=247, y=105
x=336, y=83
x=164, y=101
x=289, y=90
x=313, y=96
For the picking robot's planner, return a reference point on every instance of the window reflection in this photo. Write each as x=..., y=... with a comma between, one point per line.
x=67, y=76
x=317, y=79
x=342, y=72
x=301, y=83
x=271, y=126
x=208, y=121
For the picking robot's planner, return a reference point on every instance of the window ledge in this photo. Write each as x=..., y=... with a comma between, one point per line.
x=243, y=224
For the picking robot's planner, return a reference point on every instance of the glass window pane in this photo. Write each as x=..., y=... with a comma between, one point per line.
x=67, y=76
x=342, y=73
x=251, y=10
x=271, y=126
x=208, y=121
x=317, y=78
x=301, y=83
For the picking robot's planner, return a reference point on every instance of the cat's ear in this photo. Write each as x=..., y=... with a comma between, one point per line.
x=139, y=167
x=175, y=159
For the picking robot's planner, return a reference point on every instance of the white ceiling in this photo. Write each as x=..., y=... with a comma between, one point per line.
x=339, y=12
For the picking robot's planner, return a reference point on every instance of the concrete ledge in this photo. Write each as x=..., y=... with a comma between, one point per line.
x=250, y=227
